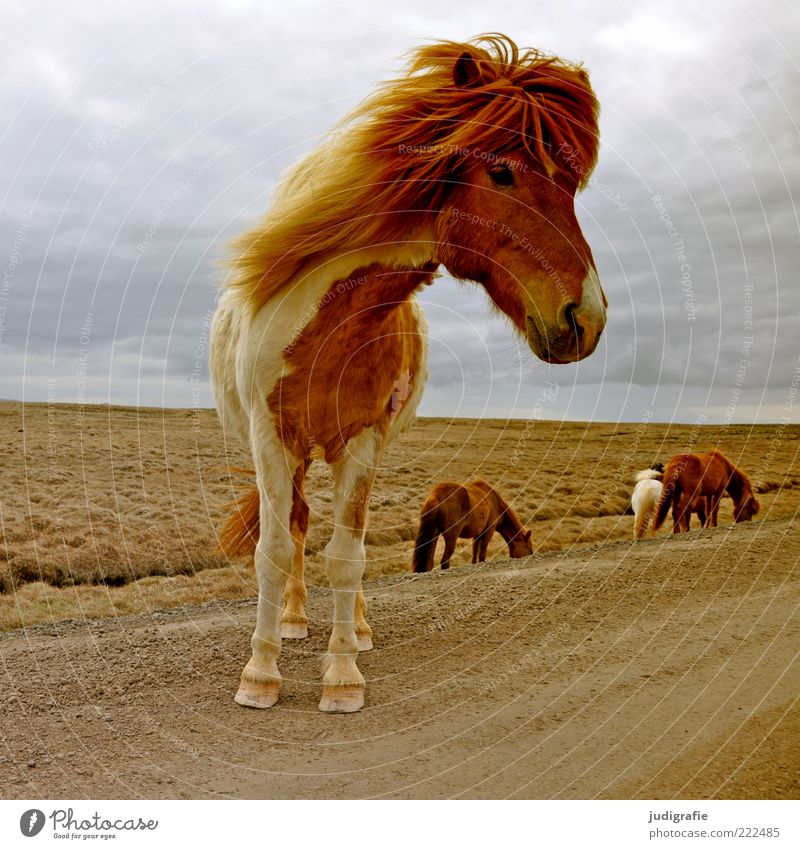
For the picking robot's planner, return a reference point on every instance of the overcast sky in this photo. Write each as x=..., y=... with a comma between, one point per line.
x=137, y=140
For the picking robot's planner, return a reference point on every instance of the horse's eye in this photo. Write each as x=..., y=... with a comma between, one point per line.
x=502, y=175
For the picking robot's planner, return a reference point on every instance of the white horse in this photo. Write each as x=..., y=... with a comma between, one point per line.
x=645, y=498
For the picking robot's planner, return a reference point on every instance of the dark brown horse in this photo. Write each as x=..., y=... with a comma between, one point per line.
x=472, y=510
x=695, y=483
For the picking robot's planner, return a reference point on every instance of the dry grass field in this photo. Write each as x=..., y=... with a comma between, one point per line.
x=596, y=668
x=107, y=511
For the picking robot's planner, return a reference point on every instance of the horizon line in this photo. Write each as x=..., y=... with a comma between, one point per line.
x=147, y=407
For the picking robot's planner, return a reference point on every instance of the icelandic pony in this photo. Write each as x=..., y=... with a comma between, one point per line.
x=696, y=483
x=470, y=160
x=473, y=510
x=644, y=500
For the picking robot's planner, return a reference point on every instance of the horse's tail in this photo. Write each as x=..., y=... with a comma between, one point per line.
x=671, y=492
x=239, y=534
x=427, y=537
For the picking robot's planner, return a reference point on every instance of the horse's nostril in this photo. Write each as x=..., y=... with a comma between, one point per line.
x=572, y=321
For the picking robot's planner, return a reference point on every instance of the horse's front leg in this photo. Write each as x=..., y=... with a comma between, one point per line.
x=450, y=540
x=712, y=504
x=260, y=681
x=343, y=683
x=476, y=548
x=486, y=538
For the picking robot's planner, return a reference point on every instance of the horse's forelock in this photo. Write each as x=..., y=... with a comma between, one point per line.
x=511, y=100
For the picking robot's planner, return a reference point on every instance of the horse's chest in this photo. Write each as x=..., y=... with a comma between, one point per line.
x=350, y=369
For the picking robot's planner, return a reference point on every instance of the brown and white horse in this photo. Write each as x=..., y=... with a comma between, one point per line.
x=695, y=483
x=470, y=160
x=473, y=510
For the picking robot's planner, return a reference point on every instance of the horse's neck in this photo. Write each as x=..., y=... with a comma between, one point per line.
x=337, y=274
x=509, y=525
x=738, y=485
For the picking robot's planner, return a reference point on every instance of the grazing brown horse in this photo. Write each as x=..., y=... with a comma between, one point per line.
x=472, y=510
x=695, y=483
x=470, y=160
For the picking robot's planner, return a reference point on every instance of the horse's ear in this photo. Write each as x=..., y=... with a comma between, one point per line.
x=755, y=505
x=528, y=536
x=466, y=72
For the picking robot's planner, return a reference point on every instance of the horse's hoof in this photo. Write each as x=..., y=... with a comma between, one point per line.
x=294, y=630
x=338, y=698
x=257, y=694
x=364, y=642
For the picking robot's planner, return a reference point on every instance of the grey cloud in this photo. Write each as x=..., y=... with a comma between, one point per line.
x=140, y=141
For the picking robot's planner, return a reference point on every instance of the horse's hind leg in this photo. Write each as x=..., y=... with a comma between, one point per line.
x=294, y=622
x=343, y=684
x=640, y=524
x=680, y=519
x=275, y=550
x=676, y=518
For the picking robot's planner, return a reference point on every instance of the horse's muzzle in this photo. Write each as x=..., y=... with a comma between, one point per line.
x=573, y=332
x=567, y=342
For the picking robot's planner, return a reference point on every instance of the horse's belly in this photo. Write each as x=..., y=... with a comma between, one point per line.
x=477, y=521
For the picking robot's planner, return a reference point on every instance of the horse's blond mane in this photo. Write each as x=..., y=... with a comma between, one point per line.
x=383, y=173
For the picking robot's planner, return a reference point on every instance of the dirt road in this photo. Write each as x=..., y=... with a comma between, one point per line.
x=659, y=670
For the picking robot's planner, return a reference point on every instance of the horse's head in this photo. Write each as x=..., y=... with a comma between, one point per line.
x=524, y=142
x=520, y=546
x=511, y=226
x=471, y=158
x=746, y=508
